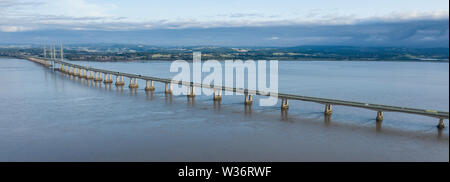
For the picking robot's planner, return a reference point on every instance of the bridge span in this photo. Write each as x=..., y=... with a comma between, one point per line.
x=96, y=75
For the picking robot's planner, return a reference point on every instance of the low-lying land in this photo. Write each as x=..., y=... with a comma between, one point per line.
x=119, y=52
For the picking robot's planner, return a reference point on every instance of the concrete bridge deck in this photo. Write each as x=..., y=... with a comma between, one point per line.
x=327, y=102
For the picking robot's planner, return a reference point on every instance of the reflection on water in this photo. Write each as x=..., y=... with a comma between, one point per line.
x=217, y=104
x=48, y=116
x=378, y=126
x=149, y=95
x=327, y=119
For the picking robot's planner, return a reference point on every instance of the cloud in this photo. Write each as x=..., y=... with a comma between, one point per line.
x=412, y=33
x=27, y=15
x=79, y=8
x=13, y=29
x=18, y=3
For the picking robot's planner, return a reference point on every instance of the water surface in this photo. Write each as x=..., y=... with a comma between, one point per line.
x=47, y=116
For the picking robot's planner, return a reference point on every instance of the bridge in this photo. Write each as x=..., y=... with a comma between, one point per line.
x=95, y=74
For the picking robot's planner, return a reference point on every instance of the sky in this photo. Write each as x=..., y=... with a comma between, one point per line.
x=35, y=19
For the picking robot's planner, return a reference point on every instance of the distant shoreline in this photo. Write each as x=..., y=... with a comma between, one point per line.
x=311, y=60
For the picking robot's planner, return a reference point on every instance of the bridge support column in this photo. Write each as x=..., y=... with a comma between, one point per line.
x=75, y=72
x=168, y=88
x=89, y=75
x=121, y=82
x=441, y=123
x=284, y=104
x=98, y=77
x=379, y=116
x=149, y=85
x=107, y=79
x=191, y=91
x=133, y=85
x=328, y=109
x=248, y=99
x=84, y=73
x=217, y=95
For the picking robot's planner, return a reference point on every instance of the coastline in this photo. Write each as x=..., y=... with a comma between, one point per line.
x=302, y=60
x=311, y=60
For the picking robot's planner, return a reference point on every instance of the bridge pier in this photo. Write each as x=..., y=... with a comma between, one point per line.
x=107, y=79
x=379, y=116
x=89, y=75
x=441, y=124
x=98, y=77
x=84, y=73
x=284, y=104
x=133, y=85
x=168, y=88
x=248, y=99
x=217, y=95
x=328, y=109
x=76, y=72
x=191, y=91
x=121, y=82
x=149, y=85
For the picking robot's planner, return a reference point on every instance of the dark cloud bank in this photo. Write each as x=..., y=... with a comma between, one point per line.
x=417, y=33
